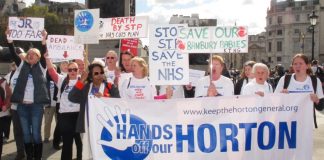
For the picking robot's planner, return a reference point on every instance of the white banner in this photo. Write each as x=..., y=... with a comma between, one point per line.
x=123, y=27
x=234, y=128
x=25, y=28
x=167, y=65
x=218, y=39
x=63, y=47
x=86, y=26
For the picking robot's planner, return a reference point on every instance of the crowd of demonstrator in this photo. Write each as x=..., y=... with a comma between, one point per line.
x=37, y=88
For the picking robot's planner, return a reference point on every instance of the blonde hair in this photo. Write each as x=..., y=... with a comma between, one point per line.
x=36, y=51
x=112, y=52
x=217, y=58
x=142, y=63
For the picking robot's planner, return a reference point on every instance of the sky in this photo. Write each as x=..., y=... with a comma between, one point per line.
x=251, y=13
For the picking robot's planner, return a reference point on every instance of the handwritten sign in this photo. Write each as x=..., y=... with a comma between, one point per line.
x=63, y=47
x=86, y=26
x=130, y=45
x=218, y=39
x=195, y=75
x=167, y=65
x=25, y=29
x=123, y=27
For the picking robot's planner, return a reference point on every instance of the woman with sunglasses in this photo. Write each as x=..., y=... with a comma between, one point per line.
x=68, y=111
x=112, y=72
x=138, y=85
x=92, y=83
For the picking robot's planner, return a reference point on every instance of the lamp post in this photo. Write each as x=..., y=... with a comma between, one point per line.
x=313, y=19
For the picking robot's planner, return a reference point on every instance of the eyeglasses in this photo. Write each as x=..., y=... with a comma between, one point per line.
x=72, y=69
x=97, y=73
x=110, y=57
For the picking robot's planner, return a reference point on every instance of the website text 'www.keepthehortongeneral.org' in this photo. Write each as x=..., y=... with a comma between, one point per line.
x=233, y=110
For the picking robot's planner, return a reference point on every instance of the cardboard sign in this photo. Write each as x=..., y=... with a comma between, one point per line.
x=86, y=26
x=130, y=45
x=218, y=39
x=167, y=65
x=63, y=47
x=25, y=29
x=123, y=27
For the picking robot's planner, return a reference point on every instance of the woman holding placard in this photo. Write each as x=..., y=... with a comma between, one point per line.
x=31, y=94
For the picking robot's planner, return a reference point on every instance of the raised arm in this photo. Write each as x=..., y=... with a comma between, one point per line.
x=51, y=71
x=43, y=49
x=12, y=50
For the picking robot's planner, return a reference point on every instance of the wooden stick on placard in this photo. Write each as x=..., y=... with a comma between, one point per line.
x=86, y=56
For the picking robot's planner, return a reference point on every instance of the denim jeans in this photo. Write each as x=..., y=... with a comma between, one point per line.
x=31, y=116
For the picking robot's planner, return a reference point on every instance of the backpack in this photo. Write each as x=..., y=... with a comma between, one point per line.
x=314, y=84
x=319, y=73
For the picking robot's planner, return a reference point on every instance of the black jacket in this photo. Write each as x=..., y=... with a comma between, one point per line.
x=80, y=96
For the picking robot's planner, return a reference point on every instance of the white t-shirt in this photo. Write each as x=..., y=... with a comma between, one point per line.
x=253, y=87
x=224, y=86
x=51, y=87
x=177, y=91
x=110, y=75
x=29, y=90
x=123, y=77
x=134, y=88
x=245, y=82
x=67, y=106
x=300, y=87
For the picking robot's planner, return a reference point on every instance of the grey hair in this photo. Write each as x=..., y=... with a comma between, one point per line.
x=260, y=65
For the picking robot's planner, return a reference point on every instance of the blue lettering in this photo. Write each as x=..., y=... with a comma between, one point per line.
x=121, y=131
x=167, y=131
x=272, y=135
x=248, y=134
x=201, y=138
x=156, y=132
x=189, y=137
x=283, y=131
x=231, y=137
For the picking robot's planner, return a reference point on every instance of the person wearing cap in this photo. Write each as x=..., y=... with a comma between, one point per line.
x=31, y=94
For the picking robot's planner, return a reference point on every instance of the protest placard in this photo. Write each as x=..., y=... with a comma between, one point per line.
x=195, y=75
x=86, y=26
x=63, y=47
x=130, y=45
x=167, y=65
x=25, y=28
x=123, y=27
x=220, y=39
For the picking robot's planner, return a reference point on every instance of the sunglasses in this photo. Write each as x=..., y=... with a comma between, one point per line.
x=97, y=73
x=110, y=57
x=72, y=69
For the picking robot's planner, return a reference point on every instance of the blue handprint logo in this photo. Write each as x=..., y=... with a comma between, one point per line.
x=118, y=140
x=84, y=21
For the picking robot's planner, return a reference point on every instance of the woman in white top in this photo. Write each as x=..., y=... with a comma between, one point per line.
x=138, y=85
x=301, y=82
x=215, y=84
x=245, y=77
x=68, y=111
x=258, y=85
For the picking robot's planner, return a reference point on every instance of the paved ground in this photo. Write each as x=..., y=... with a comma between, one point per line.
x=9, y=149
